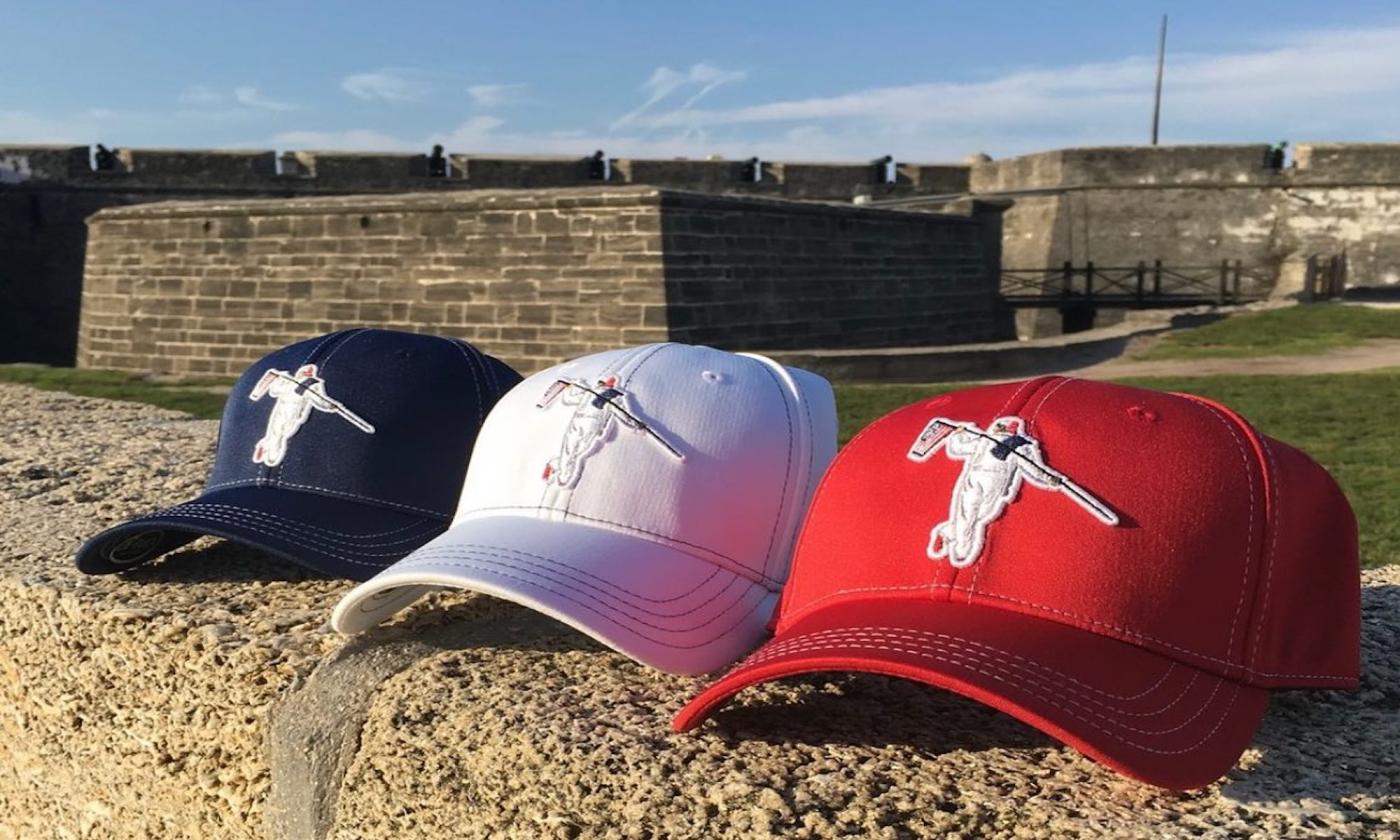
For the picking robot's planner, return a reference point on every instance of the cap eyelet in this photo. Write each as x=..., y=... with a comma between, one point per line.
x=712, y=377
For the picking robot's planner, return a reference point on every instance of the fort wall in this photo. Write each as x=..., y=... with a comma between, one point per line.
x=1184, y=205
x=532, y=276
x=1198, y=205
x=47, y=193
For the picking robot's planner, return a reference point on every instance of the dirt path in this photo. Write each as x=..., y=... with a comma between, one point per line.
x=1368, y=355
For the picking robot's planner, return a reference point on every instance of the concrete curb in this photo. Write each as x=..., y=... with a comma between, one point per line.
x=994, y=360
x=313, y=730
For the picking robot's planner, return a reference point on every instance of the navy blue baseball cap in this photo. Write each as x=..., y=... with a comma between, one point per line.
x=342, y=453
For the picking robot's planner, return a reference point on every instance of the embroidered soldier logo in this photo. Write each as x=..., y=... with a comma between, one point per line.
x=596, y=410
x=296, y=396
x=995, y=464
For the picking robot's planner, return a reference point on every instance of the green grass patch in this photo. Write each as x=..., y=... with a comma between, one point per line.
x=200, y=397
x=1296, y=330
x=1331, y=417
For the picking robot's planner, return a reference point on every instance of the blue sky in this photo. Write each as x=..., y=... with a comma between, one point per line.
x=930, y=81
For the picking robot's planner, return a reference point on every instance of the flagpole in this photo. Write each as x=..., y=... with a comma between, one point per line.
x=1157, y=99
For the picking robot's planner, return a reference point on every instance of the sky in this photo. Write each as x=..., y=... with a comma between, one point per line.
x=923, y=81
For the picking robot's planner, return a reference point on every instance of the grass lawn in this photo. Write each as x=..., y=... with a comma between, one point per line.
x=202, y=398
x=1296, y=330
x=1333, y=418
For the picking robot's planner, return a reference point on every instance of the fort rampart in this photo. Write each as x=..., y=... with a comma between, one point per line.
x=1184, y=205
x=1198, y=205
x=533, y=276
x=47, y=193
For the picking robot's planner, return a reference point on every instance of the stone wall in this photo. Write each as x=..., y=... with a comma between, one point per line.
x=533, y=276
x=1198, y=205
x=46, y=193
x=780, y=275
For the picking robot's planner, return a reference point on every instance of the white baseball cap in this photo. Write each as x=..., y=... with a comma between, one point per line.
x=649, y=497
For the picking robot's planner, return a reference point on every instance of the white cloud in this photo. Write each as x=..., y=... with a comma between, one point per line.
x=1341, y=83
x=251, y=97
x=388, y=84
x=700, y=79
x=495, y=96
x=1318, y=85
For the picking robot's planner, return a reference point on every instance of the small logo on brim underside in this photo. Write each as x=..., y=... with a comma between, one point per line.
x=134, y=548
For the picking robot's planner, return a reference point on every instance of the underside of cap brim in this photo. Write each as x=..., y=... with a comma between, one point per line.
x=1144, y=715
x=329, y=534
x=662, y=606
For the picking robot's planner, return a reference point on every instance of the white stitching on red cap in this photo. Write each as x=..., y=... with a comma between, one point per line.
x=1123, y=630
x=1094, y=718
x=1273, y=553
x=1249, y=545
x=977, y=572
x=1249, y=474
x=1045, y=399
x=871, y=640
x=862, y=630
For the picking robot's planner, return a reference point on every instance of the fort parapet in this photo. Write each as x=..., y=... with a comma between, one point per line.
x=1184, y=205
x=1199, y=206
x=47, y=193
x=531, y=276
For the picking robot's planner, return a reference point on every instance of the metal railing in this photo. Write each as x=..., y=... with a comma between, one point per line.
x=1143, y=286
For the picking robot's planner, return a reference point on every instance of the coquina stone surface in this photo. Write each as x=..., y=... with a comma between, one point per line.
x=202, y=698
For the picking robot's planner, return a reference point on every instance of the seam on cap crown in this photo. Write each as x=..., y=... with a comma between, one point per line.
x=1037, y=386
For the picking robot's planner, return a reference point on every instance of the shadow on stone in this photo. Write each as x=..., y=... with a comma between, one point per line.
x=482, y=621
x=222, y=561
x=870, y=710
x=1373, y=294
x=1334, y=748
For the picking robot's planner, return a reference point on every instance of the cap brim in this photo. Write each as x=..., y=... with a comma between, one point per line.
x=1142, y=714
x=334, y=536
x=663, y=607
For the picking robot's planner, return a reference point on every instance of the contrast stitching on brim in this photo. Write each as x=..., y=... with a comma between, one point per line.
x=816, y=641
x=351, y=541
x=925, y=587
x=738, y=567
x=262, y=482
x=429, y=556
x=242, y=522
x=413, y=559
x=1094, y=719
x=612, y=615
x=992, y=650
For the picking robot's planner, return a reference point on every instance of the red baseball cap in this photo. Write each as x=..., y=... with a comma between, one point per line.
x=1129, y=571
